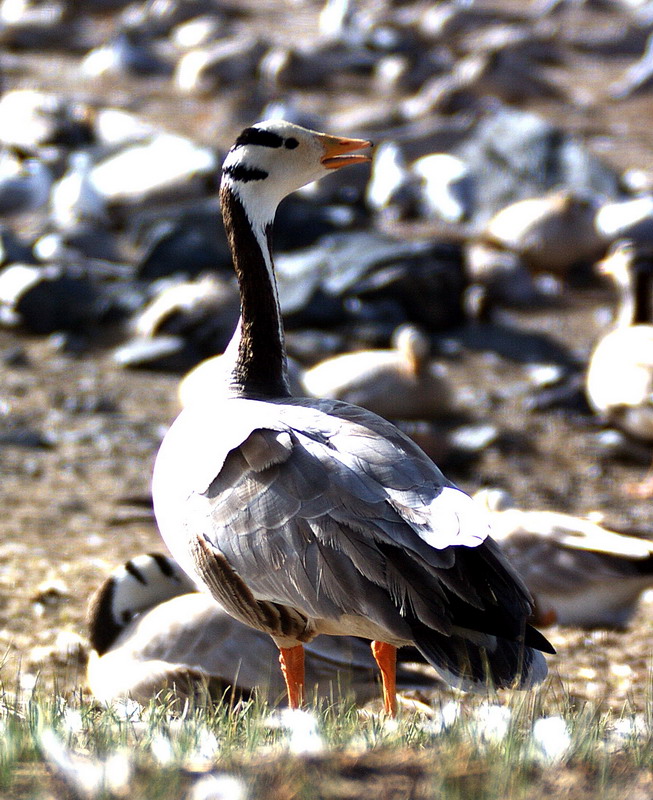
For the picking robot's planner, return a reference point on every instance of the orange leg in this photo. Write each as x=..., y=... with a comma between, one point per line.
x=292, y=666
x=385, y=656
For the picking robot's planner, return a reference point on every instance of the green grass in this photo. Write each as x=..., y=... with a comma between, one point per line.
x=480, y=747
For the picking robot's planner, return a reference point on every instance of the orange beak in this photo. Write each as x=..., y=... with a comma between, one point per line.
x=338, y=151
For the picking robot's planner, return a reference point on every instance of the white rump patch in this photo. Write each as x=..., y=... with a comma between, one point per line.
x=456, y=520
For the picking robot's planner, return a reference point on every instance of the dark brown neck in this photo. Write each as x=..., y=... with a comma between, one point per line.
x=642, y=297
x=260, y=367
x=103, y=628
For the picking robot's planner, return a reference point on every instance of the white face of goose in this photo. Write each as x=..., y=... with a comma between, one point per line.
x=272, y=159
x=146, y=581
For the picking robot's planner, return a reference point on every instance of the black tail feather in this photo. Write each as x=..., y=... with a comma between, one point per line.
x=479, y=661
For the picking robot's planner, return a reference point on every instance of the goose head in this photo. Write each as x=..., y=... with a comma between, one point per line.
x=414, y=346
x=629, y=270
x=135, y=587
x=617, y=264
x=274, y=158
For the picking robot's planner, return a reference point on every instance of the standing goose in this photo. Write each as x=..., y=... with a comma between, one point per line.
x=619, y=380
x=306, y=517
x=151, y=629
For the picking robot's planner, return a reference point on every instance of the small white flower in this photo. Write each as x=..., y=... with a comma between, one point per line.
x=127, y=710
x=444, y=718
x=28, y=682
x=551, y=738
x=208, y=745
x=118, y=773
x=492, y=722
x=628, y=730
x=72, y=720
x=161, y=748
x=218, y=787
x=301, y=726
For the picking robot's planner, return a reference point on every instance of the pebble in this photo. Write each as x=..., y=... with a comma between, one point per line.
x=130, y=52
x=447, y=187
x=30, y=118
x=630, y=219
x=51, y=592
x=205, y=69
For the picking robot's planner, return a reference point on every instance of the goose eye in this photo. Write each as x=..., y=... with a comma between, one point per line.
x=291, y=143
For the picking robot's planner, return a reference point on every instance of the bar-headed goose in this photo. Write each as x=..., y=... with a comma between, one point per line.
x=399, y=383
x=579, y=572
x=305, y=516
x=152, y=630
x=619, y=380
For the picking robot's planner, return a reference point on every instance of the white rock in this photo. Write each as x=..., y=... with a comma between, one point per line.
x=163, y=162
x=447, y=186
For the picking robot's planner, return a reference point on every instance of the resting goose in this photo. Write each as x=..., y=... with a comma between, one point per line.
x=151, y=630
x=304, y=516
x=579, y=573
x=399, y=383
x=619, y=380
x=211, y=376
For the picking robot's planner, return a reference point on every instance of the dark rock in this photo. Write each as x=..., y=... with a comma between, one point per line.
x=132, y=51
x=189, y=246
x=409, y=280
x=12, y=249
x=221, y=64
x=26, y=437
x=516, y=155
x=514, y=344
x=15, y=356
x=300, y=223
x=204, y=312
x=86, y=240
x=309, y=345
x=48, y=299
x=614, y=444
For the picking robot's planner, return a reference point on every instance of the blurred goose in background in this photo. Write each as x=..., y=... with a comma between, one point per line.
x=306, y=516
x=579, y=573
x=210, y=377
x=399, y=383
x=25, y=182
x=619, y=380
x=551, y=233
x=152, y=630
x=74, y=198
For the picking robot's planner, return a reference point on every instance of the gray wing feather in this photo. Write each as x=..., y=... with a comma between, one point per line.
x=309, y=524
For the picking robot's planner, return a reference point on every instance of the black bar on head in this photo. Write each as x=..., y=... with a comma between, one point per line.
x=239, y=172
x=260, y=137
